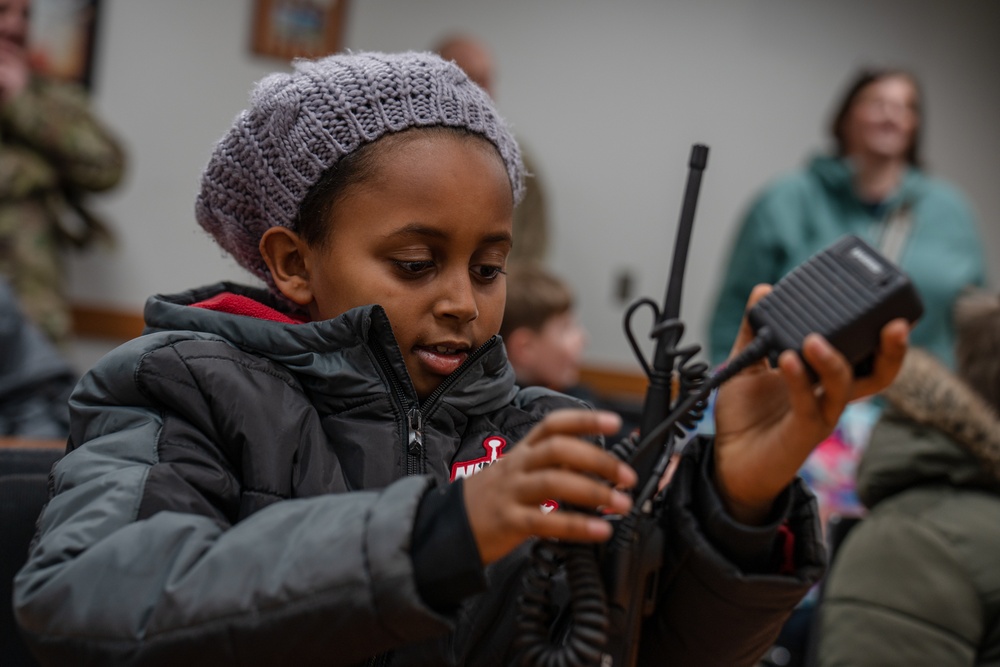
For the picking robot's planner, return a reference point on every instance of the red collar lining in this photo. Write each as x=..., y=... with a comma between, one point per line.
x=237, y=304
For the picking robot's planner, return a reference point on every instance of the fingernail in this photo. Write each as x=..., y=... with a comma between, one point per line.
x=626, y=476
x=621, y=502
x=609, y=420
x=599, y=528
x=820, y=348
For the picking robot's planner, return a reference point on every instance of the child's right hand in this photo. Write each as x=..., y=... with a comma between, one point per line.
x=503, y=502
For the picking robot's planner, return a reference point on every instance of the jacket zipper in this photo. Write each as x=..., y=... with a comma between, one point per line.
x=414, y=440
x=415, y=413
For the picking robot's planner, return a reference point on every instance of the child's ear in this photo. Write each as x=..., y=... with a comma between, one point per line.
x=284, y=251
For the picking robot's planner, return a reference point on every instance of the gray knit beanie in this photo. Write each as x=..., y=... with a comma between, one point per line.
x=299, y=125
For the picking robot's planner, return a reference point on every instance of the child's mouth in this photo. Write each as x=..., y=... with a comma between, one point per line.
x=441, y=359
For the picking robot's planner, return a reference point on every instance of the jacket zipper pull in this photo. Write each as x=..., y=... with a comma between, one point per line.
x=415, y=442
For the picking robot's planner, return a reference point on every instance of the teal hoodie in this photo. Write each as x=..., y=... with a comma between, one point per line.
x=805, y=212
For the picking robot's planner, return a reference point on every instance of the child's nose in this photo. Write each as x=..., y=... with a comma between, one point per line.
x=458, y=298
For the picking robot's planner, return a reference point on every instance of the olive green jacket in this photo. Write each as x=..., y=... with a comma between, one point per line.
x=917, y=582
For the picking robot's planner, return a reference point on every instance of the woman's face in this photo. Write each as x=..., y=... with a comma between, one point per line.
x=883, y=119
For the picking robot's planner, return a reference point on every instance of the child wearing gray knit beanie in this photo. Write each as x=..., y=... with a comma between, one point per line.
x=344, y=470
x=302, y=124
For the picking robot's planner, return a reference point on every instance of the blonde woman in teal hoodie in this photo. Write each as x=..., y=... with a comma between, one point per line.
x=873, y=186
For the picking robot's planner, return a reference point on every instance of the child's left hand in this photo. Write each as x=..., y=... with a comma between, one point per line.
x=768, y=420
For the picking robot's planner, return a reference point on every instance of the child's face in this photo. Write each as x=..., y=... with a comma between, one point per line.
x=426, y=236
x=551, y=356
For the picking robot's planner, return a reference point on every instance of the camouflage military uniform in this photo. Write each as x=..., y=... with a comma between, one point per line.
x=52, y=151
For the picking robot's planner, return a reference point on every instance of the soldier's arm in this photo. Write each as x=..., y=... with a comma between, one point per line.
x=55, y=120
x=23, y=172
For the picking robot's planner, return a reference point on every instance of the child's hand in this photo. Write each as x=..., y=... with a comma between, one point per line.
x=768, y=420
x=503, y=502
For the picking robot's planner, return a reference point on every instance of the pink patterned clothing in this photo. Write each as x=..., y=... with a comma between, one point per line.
x=831, y=470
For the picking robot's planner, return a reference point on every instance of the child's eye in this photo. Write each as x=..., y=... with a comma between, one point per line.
x=486, y=272
x=414, y=268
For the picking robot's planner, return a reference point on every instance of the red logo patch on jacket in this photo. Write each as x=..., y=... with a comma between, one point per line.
x=494, y=451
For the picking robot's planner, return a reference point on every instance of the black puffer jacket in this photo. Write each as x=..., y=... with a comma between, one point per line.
x=240, y=491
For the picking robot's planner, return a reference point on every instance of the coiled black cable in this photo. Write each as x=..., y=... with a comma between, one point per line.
x=587, y=632
x=693, y=377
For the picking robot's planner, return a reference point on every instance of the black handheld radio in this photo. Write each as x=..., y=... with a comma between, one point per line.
x=846, y=292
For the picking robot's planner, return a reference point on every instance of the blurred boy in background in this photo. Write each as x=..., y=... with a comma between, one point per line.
x=54, y=152
x=545, y=341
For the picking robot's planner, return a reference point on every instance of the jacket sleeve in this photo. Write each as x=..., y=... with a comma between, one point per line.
x=897, y=596
x=55, y=120
x=712, y=613
x=24, y=173
x=139, y=558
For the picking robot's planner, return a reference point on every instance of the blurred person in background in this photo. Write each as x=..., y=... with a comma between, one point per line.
x=545, y=341
x=52, y=152
x=872, y=185
x=531, y=220
x=916, y=582
x=35, y=380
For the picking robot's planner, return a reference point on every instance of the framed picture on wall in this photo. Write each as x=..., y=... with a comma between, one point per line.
x=289, y=29
x=61, y=38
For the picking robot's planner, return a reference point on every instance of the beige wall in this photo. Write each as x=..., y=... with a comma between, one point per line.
x=608, y=96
